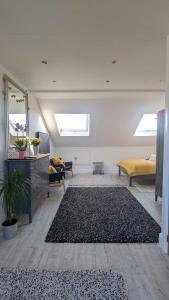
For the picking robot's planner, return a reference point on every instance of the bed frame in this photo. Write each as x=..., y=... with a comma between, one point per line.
x=146, y=176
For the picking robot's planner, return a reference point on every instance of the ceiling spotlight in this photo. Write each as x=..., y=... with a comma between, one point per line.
x=107, y=81
x=44, y=62
x=114, y=61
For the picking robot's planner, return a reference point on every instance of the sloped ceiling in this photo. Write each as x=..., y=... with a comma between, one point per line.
x=80, y=39
x=113, y=119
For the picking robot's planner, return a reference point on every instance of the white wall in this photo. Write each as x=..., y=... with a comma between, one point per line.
x=113, y=121
x=114, y=117
x=164, y=241
x=36, y=122
x=2, y=125
x=83, y=157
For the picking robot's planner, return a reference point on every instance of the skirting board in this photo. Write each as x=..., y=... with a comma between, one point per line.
x=88, y=169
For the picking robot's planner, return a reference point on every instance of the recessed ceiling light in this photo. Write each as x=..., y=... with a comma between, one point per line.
x=107, y=81
x=54, y=81
x=44, y=62
x=114, y=61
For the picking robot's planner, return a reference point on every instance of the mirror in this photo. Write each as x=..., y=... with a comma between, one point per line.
x=16, y=104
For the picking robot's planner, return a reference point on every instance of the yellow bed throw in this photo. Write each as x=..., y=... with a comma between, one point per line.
x=136, y=167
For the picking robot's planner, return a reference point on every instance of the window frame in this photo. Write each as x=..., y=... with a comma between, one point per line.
x=73, y=132
x=146, y=132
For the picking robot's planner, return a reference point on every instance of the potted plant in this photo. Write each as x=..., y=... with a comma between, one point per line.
x=13, y=189
x=21, y=145
x=35, y=143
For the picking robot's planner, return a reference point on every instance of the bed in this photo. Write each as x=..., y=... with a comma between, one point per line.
x=137, y=168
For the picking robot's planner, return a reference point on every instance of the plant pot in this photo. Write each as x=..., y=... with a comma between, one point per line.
x=21, y=154
x=36, y=150
x=9, y=229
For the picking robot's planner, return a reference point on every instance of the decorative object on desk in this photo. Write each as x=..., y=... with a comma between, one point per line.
x=13, y=189
x=21, y=145
x=12, y=154
x=21, y=154
x=35, y=143
x=29, y=150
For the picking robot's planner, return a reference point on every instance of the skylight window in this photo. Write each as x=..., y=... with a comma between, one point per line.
x=147, y=126
x=73, y=124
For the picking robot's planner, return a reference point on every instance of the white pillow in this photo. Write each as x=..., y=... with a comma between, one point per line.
x=152, y=157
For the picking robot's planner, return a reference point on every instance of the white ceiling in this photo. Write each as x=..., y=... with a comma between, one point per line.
x=80, y=38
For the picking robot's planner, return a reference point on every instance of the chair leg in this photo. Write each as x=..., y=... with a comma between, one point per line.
x=119, y=171
x=130, y=181
x=63, y=182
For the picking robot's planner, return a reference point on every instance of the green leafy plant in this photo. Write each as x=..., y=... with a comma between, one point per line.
x=35, y=141
x=13, y=188
x=21, y=144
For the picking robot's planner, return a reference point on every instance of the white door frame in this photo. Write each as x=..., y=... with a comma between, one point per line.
x=165, y=201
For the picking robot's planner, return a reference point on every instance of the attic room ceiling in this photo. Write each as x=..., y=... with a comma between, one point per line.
x=113, y=121
x=80, y=39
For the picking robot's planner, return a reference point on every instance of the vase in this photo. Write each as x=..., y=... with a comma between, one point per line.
x=21, y=154
x=9, y=229
x=36, y=150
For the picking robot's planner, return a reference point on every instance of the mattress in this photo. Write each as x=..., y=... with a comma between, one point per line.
x=135, y=167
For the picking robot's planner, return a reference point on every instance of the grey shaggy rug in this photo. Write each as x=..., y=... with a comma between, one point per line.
x=17, y=284
x=102, y=215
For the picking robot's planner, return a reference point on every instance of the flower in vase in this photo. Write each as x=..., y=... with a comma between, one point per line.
x=35, y=141
x=21, y=144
